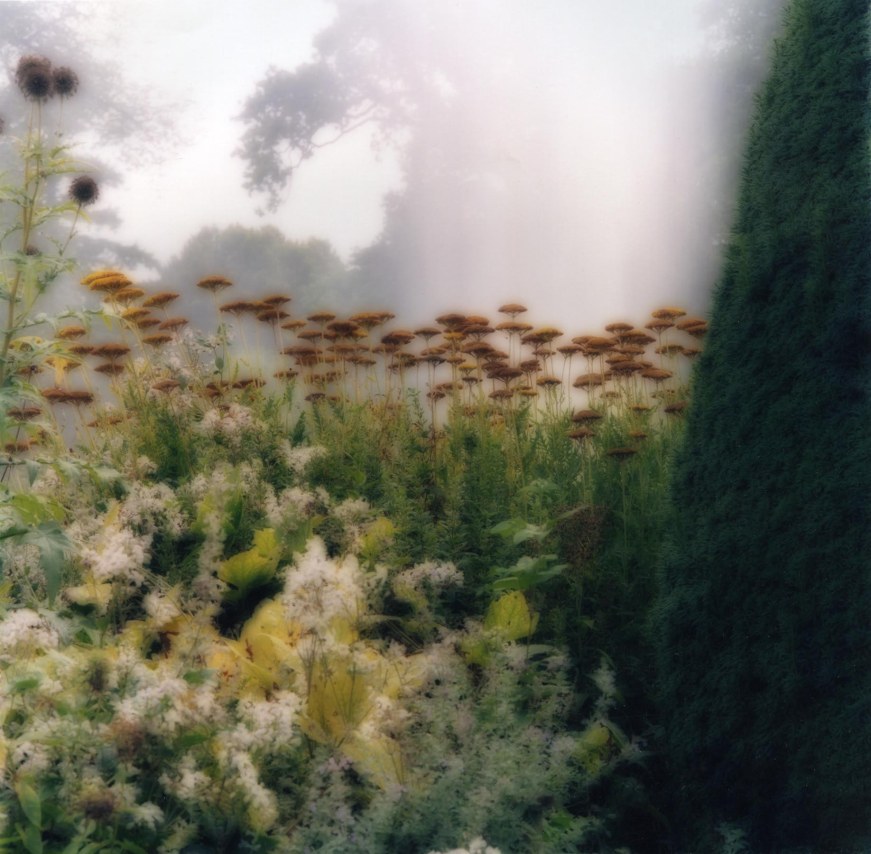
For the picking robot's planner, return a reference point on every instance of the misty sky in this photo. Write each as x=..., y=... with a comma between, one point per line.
x=207, y=55
x=604, y=82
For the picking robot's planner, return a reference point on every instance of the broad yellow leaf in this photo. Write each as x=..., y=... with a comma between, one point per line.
x=392, y=676
x=594, y=748
x=97, y=594
x=343, y=631
x=379, y=534
x=251, y=677
x=270, y=618
x=511, y=616
x=253, y=568
x=336, y=702
x=378, y=758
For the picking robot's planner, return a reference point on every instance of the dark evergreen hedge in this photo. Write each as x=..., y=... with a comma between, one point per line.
x=763, y=619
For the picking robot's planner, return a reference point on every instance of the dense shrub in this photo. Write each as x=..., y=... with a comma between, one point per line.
x=763, y=620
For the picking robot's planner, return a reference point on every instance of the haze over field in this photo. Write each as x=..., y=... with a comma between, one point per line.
x=580, y=156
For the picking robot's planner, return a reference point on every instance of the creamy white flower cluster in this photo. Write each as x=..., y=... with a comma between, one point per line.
x=117, y=554
x=23, y=632
x=292, y=506
x=22, y=561
x=213, y=491
x=137, y=467
x=161, y=702
x=267, y=724
x=262, y=803
x=225, y=479
x=230, y=423
x=30, y=758
x=384, y=715
x=148, y=508
x=161, y=609
x=432, y=576
x=318, y=590
x=299, y=458
x=186, y=781
x=353, y=510
x=354, y=514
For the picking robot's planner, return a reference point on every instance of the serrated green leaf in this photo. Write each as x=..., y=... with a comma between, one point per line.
x=527, y=572
x=33, y=469
x=508, y=528
x=66, y=469
x=530, y=532
x=296, y=538
x=35, y=509
x=31, y=838
x=28, y=797
x=379, y=534
x=53, y=547
x=512, y=582
x=519, y=531
x=105, y=474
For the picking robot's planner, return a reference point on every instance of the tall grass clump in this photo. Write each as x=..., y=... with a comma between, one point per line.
x=765, y=593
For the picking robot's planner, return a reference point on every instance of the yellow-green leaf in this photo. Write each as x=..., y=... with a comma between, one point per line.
x=97, y=594
x=511, y=616
x=594, y=747
x=336, y=702
x=270, y=619
x=379, y=758
x=28, y=797
x=378, y=536
x=253, y=568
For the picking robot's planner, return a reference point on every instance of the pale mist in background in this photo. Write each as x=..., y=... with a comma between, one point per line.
x=578, y=155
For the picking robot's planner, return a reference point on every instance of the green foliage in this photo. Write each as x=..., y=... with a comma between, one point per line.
x=251, y=569
x=33, y=216
x=763, y=619
x=494, y=767
x=529, y=571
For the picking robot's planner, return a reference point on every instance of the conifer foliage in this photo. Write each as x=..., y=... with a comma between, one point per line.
x=763, y=616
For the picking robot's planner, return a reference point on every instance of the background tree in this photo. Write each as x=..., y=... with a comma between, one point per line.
x=490, y=115
x=390, y=66
x=259, y=261
x=765, y=592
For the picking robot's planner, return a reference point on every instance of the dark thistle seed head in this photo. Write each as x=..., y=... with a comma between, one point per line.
x=84, y=190
x=34, y=78
x=31, y=60
x=66, y=82
x=38, y=85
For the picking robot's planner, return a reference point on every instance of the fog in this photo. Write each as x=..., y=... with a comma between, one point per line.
x=577, y=155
